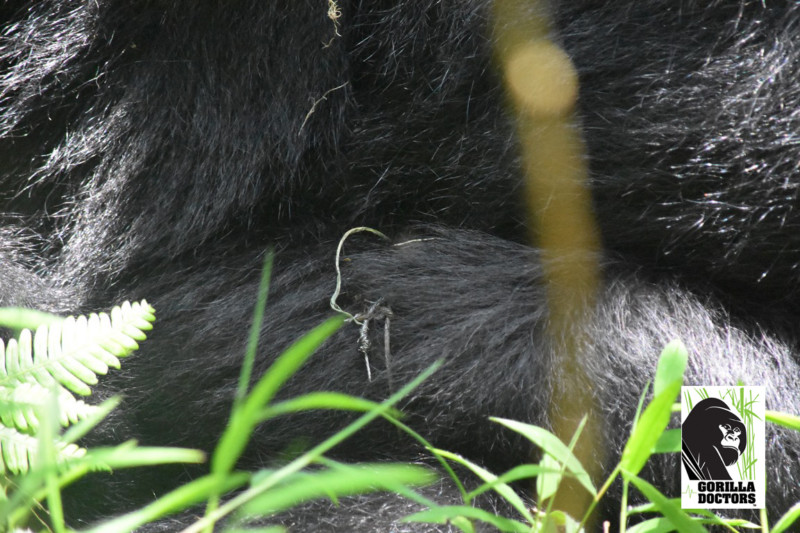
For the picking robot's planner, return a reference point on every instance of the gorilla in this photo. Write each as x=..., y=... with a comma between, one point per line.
x=156, y=150
x=714, y=438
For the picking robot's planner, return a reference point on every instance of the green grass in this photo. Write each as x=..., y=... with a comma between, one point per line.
x=234, y=498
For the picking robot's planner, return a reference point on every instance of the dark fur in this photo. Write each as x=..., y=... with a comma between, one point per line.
x=156, y=149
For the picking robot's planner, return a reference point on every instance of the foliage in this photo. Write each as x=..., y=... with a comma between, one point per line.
x=61, y=358
x=40, y=373
x=250, y=494
x=49, y=361
x=648, y=436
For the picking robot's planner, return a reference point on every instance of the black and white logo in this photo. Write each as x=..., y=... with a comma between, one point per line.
x=713, y=438
x=722, y=454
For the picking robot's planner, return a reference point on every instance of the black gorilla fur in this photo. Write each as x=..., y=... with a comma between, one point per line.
x=156, y=149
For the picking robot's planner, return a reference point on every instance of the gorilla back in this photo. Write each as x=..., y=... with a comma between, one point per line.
x=156, y=149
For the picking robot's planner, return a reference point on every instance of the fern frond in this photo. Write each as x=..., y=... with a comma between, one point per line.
x=71, y=353
x=21, y=405
x=62, y=356
x=19, y=451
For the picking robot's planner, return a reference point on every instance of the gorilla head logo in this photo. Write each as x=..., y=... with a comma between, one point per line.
x=713, y=438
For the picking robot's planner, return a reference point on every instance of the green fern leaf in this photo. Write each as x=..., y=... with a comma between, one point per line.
x=62, y=356
x=20, y=406
x=73, y=352
x=19, y=451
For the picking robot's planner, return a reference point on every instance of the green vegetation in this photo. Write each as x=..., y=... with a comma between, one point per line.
x=41, y=422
